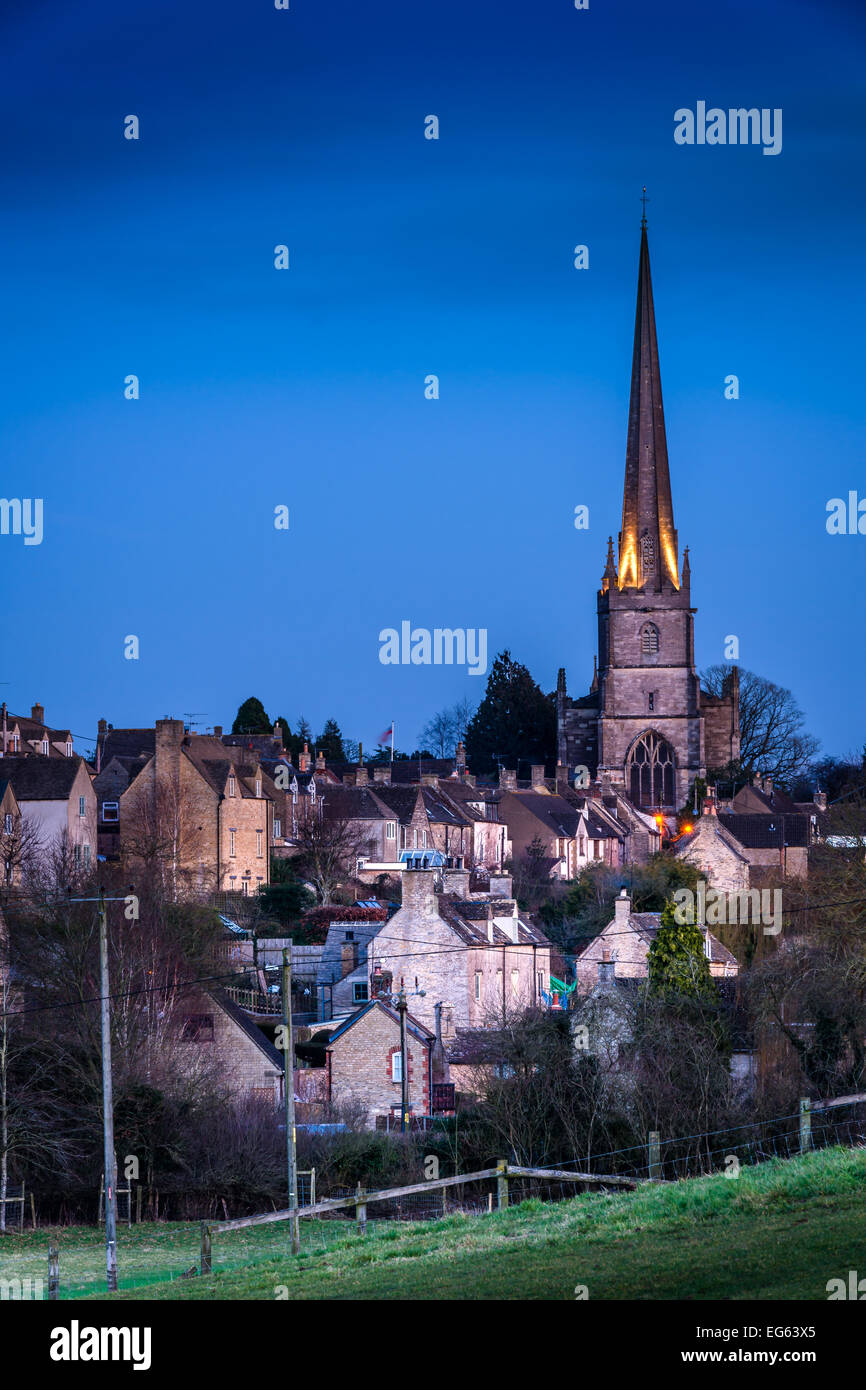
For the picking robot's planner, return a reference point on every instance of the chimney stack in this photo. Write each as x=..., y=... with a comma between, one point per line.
x=418, y=892
x=622, y=909
x=536, y=773
x=508, y=779
x=304, y=759
x=820, y=799
x=460, y=759
x=456, y=880
x=320, y=762
x=37, y=714
x=382, y=774
x=709, y=806
x=218, y=731
x=606, y=971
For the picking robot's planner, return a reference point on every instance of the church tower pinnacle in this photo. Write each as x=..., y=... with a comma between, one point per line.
x=648, y=554
x=645, y=727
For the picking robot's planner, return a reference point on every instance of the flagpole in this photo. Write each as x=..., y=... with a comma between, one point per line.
x=392, y=740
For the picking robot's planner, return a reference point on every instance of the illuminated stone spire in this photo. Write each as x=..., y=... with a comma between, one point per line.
x=648, y=541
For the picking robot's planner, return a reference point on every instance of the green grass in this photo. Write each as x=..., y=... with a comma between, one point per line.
x=780, y=1230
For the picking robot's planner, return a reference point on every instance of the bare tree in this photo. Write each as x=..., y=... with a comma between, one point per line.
x=772, y=738
x=328, y=850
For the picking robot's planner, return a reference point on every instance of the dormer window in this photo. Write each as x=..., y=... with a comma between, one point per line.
x=231, y=785
x=258, y=786
x=69, y=750
x=45, y=746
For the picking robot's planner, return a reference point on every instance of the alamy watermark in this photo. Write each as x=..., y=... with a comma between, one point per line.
x=22, y=516
x=737, y=126
x=444, y=646
x=717, y=907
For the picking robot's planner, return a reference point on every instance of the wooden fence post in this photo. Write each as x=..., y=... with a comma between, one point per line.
x=361, y=1210
x=33, y=1210
x=205, y=1248
x=312, y=1187
x=502, y=1183
x=805, y=1125
x=138, y=1196
x=655, y=1154
x=53, y=1271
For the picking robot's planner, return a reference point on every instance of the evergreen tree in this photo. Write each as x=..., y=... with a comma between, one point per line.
x=251, y=718
x=677, y=961
x=330, y=742
x=285, y=898
x=515, y=722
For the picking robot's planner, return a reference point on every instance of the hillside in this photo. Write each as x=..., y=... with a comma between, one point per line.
x=780, y=1230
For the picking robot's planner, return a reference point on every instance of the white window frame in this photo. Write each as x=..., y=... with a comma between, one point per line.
x=390, y=830
x=397, y=1067
x=113, y=806
x=232, y=834
x=259, y=834
x=82, y=811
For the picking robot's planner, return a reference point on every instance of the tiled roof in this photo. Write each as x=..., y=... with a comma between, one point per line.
x=759, y=831
x=41, y=779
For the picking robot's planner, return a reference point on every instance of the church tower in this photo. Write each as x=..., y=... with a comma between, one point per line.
x=643, y=726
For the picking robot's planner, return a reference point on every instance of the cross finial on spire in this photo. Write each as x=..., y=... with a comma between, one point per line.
x=644, y=200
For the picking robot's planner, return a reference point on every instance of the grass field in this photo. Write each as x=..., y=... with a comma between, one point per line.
x=780, y=1230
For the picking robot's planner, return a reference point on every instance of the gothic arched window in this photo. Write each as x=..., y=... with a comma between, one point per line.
x=649, y=639
x=649, y=771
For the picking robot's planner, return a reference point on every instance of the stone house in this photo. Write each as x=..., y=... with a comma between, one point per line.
x=57, y=804
x=218, y=1032
x=360, y=1062
x=715, y=852
x=12, y=847
x=574, y=831
x=627, y=939
x=23, y=737
x=205, y=817
x=471, y=954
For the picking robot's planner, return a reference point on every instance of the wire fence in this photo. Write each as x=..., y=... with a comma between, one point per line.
x=161, y=1252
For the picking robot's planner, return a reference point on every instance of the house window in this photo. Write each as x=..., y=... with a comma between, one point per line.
x=110, y=810
x=540, y=981
x=45, y=745
x=396, y=1066
x=515, y=982
x=232, y=834
x=231, y=786
x=87, y=856
x=69, y=750
x=258, y=844
x=81, y=810
x=15, y=743
x=258, y=786
x=7, y=823
x=359, y=866
x=652, y=701
x=390, y=830
x=245, y=887
x=278, y=828
x=197, y=1028
x=478, y=986
x=360, y=994
x=76, y=856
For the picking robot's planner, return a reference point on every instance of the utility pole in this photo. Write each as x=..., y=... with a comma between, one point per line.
x=107, y=1106
x=404, y=1070
x=291, y=1152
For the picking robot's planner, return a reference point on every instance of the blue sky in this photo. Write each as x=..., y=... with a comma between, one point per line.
x=410, y=257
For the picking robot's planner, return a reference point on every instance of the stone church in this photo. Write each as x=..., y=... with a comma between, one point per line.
x=646, y=726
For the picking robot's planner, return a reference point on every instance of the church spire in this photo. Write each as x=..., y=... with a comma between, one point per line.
x=648, y=540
